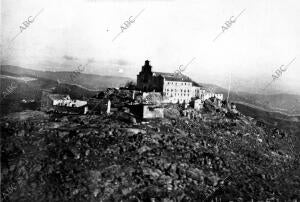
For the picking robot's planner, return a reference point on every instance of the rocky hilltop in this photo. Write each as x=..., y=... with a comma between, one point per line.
x=213, y=157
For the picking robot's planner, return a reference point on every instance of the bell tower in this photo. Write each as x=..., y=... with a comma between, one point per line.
x=147, y=67
x=144, y=78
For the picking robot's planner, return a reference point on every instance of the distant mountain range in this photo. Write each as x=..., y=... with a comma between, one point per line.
x=88, y=84
x=278, y=110
x=30, y=83
x=90, y=81
x=288, y=104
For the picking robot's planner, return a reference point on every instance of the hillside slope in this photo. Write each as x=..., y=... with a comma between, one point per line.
x=285, y=103
x=90, y=81
x=32, y=90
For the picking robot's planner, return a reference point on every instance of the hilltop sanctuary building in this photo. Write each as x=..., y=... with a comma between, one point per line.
x=173, y=86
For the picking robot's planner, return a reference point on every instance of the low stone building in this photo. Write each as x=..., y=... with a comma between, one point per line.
x=147, y=111
x=206, y=95
x=62, y=103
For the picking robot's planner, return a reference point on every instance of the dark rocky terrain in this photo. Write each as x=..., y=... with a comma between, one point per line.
x=216, y=156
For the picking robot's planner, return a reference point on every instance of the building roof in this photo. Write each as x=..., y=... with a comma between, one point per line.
x=79, y=103
x=58, y=96
x=173, y=76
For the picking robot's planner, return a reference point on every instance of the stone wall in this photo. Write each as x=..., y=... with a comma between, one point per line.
x=151, y=112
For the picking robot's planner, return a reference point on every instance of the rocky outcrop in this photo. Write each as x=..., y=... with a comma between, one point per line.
x=112, y=158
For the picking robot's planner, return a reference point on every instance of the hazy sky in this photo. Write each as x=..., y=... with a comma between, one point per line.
x=169, y=33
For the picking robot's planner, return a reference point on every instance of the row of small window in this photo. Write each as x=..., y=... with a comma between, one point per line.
x=180, y=83
x=171, y=94
x=178, y=90
x=181, y=100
